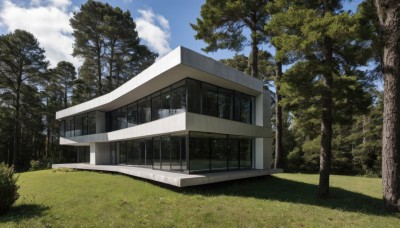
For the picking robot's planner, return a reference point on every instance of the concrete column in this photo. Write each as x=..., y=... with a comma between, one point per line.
x=100, y=153
x=263, y=146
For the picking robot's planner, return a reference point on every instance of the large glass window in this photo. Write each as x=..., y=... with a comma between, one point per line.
x=210, y=100
x=178, y=153
x=155, y=106
x=132, y=115
x=144, y=110
x=130, y=153
x=156, y=153
x=245, y=153
x=149, y=153
x=166, y=153
x=236, y=107
x=225, y=103
x=91, y=123
x=78, y=125
x=136, y=153
x=122, y=153
x=123, y=122
x=165, y=103
x=83, y=154
x=142, y=150
x=113, y=153
x=199, y=153
x=69, y=127
x=245, y=109
x=194, y=95
x=219, y=150
x=62, y=128
x=207, y=152
x=178, y=104
x=184, y=142
x=114, y=118
x=233, y=153
x=186, y=95
x=85, y=125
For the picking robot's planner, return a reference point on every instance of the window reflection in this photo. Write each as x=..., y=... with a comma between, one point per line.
x=186, y=95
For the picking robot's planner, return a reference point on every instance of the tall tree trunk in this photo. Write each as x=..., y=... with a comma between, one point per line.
x=326, y=122
x=254, y=53
x=99, y=83
x=388, y=14
x=278, y=110
x=16, y=132
x=66, y=91
x=110, y=65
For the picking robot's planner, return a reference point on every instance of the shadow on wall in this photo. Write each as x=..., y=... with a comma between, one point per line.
x=23, y=211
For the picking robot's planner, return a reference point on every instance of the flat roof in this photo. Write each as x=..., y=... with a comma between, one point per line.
x=172, y=178
x=178, y=64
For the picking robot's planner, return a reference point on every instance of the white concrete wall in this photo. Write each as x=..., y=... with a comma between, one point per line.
x=203, y=123
x=100, y=153
x=263, y=146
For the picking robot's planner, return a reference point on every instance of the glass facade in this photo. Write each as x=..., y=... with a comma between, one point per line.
x=83, y=153
x=84, y=124
x=167, y=152
x=193, y=153
x=217, y=152
x=186, y=95
x=191, y=95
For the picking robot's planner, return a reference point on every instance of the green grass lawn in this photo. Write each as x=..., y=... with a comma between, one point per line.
x=91, y=199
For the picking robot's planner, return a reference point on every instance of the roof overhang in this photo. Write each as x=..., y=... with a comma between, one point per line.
x=177, y=65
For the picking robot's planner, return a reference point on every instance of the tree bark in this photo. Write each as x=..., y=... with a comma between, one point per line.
x=16, y=122
x=99, y=83
x=65, y=90
x=388, y=14
x=110, y=65
x=326, y=122
x=278, y=110
x=254, y=53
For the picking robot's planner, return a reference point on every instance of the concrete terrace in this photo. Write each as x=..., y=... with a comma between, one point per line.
x=172, y=178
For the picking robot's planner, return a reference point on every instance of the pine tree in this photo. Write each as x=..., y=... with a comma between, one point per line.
x=107, y=37
x=388, y=12
x=323, y=40
x=222, y=22
x=22, y=63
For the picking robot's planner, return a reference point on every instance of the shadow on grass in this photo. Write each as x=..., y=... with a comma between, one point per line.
x=283, y=190
x=275, y=188
x=22, y=212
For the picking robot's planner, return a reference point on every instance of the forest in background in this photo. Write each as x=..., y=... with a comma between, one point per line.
x=31, y=92
x=329, y=116
x=108, y=44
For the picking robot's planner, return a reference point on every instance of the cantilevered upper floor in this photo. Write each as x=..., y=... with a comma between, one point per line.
x=183, y=91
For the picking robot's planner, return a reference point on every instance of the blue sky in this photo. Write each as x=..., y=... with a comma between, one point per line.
x=162, y=24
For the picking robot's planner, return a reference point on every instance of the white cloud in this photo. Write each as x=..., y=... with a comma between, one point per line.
x=48, y=21
x=154, y=31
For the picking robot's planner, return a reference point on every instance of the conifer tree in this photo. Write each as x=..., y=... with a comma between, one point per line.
x=323, y=40
x=22, y=64
x=388, y=12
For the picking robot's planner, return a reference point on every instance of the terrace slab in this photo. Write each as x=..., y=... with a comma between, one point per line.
x=172, y=178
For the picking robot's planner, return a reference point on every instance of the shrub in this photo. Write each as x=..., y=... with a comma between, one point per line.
x=8, y=187
x=40, y=164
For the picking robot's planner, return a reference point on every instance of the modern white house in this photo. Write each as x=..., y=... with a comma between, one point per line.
x=185, y=120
